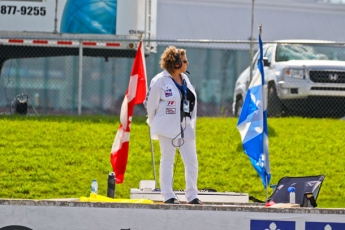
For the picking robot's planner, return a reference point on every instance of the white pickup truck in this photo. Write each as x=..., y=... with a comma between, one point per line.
x=302, y=78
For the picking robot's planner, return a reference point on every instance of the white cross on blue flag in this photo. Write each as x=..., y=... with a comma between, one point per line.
x=252, y=123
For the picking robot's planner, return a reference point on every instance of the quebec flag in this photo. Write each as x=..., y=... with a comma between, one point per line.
x=252, y=123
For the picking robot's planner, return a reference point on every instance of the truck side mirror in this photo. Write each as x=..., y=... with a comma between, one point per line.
x=266, y=62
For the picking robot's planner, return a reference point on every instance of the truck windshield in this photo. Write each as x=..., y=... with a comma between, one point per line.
x=288, y=52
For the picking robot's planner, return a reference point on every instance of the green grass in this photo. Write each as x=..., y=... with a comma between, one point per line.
x=59, y=156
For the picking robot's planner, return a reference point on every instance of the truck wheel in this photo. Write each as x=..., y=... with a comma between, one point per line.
x=274, y=106
x=238, y=107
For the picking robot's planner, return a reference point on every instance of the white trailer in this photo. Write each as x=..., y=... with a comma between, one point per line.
x=61, y=27
x=94, y=28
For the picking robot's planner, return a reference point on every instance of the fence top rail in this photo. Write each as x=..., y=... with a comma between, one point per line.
x=210, y=41
x=136, y=38
x=60, y=36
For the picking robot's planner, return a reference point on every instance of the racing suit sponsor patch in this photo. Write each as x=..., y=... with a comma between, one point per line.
x=170, y=111
x=168, y=93
x=171, y=104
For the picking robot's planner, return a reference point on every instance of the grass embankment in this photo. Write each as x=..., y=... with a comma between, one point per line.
x=57, y=156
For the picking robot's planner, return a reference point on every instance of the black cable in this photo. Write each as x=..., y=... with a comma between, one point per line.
x=181, y=133
x=182, y=113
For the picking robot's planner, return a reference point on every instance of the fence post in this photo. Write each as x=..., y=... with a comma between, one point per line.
x=80, y=83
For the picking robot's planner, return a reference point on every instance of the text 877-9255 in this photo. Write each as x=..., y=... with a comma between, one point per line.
x=23, y=10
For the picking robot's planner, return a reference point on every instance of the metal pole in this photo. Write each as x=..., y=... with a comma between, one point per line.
x=260, y=31
x=153, y=159
x=56, y=20
x=251, y=44
x=266, y=188
x=80, y=83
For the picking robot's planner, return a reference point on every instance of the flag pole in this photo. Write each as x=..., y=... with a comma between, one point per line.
x=252, y=123
x=266, y=188
x=260, y=32
x=151, y=144
x=251, y=44
x=153, y=159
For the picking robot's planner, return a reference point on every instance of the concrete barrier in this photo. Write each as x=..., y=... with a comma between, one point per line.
x=64, y=214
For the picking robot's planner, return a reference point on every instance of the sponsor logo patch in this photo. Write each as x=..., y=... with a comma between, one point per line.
x=171, y=104
x=324, y=225
x=170, y=111
x=168, y=93
x=272, y=224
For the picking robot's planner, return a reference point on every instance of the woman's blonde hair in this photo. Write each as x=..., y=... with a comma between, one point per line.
x=170, y=56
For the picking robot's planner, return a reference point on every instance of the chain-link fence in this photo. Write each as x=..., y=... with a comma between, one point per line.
x=53, y=84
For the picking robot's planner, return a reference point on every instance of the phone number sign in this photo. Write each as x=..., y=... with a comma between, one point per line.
x=23, y=10
x=31, y=15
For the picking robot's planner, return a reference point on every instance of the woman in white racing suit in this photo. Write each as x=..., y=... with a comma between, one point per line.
x=171, y=104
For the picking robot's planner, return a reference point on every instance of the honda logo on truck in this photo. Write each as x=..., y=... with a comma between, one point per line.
x=333, y=77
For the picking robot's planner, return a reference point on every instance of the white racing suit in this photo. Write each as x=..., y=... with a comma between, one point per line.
x=163, y=103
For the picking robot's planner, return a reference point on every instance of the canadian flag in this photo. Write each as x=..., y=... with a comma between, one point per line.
x=135, y=94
